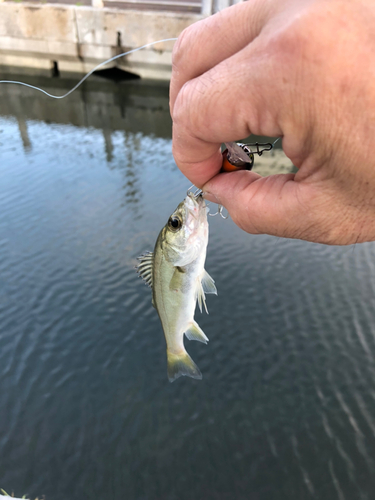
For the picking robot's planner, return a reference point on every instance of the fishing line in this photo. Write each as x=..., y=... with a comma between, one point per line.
x=90, y=72
x=13, y=82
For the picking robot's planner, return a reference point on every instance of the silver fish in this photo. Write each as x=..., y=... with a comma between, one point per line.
x=175, y=271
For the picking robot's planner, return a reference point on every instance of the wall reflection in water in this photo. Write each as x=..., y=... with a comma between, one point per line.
x=285, y=410
x=122, y=111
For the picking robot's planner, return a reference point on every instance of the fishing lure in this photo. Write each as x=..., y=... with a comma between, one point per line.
x=238, y=156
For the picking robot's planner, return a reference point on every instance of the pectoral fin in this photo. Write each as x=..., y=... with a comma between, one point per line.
x=194, y=332
x=176, y=280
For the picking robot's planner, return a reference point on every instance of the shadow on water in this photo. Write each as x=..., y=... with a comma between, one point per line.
x=286, y=407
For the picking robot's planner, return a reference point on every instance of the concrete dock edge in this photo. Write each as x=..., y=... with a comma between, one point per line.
x=74, y=39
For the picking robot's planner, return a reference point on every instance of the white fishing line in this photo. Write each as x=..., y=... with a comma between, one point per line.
x=90, y=72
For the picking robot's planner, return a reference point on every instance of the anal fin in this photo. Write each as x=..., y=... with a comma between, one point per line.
x=194, y=332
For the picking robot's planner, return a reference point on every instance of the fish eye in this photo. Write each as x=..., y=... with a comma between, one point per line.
x=174, y=223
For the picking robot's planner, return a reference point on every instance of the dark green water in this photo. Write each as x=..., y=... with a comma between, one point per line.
x=286, y=407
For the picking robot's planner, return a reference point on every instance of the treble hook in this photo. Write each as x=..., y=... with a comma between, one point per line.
x=220, y=209
x=197, y=193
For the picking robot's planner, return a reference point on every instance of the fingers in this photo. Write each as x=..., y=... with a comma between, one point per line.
x=276, y=205
x=282, y=206
x=225, y=91
x=208, y=42
x=279, y=73
x=210, y=109
x=256, y=204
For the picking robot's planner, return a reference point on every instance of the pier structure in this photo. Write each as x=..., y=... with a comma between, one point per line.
x=74, y=37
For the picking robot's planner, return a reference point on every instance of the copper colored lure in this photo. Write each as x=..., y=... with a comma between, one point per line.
x=238, y=156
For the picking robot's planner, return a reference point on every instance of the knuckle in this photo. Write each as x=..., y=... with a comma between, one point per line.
x=180, y=48
x=195, y=102
x=188, y=43
x=181, y=108
x=289, y=45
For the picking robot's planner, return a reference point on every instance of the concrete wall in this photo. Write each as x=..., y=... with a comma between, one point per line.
x=79, y=38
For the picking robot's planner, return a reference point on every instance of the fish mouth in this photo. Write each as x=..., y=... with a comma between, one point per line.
x=194, y=202
x=195, y=198
x=195, y=207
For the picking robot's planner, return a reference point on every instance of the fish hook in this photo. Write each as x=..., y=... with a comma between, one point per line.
x=220, y=209
x=197, y=193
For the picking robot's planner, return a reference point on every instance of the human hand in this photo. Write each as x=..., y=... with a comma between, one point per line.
x=300, y=69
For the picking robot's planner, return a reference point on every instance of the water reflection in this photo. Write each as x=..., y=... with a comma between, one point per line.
x=116, y=108
x=141, y=107
x=134, y=107
x=22, y=127
x=286, y=406
x=132, y=174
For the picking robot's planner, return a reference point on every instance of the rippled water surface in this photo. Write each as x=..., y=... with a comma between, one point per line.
x=286, y=407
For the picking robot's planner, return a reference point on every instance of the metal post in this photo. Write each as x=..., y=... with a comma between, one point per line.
x=207, y=7
x=222, y=4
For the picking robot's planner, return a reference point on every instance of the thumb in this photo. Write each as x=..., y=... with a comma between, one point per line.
x=276, y=205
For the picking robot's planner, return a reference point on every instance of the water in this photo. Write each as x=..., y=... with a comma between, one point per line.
x=286, y=407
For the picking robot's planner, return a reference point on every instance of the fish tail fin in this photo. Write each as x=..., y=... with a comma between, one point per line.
x=181, y=364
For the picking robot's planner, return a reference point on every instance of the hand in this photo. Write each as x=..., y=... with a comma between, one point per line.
x=303, y=70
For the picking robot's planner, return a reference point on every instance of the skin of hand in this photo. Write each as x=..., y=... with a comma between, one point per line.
x=303, y=70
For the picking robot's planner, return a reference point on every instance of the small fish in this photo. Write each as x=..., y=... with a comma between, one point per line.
x=175, y=272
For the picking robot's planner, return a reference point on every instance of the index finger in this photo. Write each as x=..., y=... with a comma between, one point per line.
x=210, y=109
x=206, y=43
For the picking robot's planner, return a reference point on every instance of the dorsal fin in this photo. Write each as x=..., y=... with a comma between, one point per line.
x=144, y=268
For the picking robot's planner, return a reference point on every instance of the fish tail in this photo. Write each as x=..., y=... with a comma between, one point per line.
x=181, y=364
